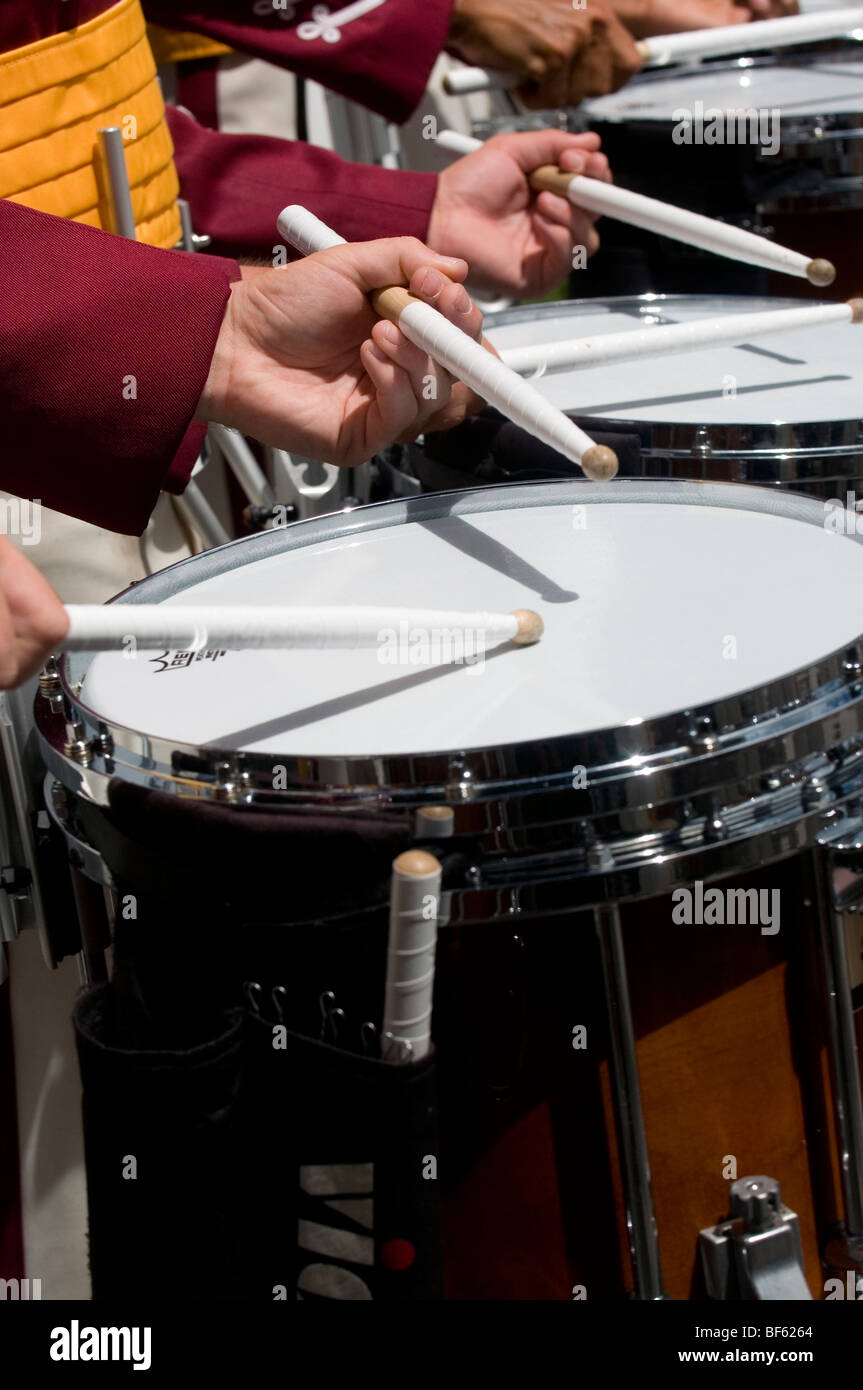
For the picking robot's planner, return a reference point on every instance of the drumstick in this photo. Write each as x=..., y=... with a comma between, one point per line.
x=750, y=38
x=664, y=339
x=463, y=357
x=695, y=44
x=414, y=911
x=692, y=228
x=127, y=626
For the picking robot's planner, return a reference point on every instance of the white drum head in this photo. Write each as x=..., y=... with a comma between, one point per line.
x=807, y=376
x=806, y=88
x=649, y=608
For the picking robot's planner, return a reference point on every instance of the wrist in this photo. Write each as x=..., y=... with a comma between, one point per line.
x=435, y=236
x=213, y=400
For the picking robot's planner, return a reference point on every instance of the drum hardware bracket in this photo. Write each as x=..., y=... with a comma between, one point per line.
x=756, y=1253
x=16, y=882
x=81, y=854
x=232, y=784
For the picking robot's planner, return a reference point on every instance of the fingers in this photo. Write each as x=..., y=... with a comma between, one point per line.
x=33, y=622
x=417, y=390
x=560, y=215
x=8, y=647
x=535, y=147
x=595, y=166
x=373, y=265
x=398, y=379
x=453, y=301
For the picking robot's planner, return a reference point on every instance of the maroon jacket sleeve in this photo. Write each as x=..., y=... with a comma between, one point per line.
x=381, y=59
x=105, y=347
x=237, y=185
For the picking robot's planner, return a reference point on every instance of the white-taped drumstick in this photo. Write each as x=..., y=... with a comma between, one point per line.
x=155, y=626
x=414, y=912
x=728, y=39
x=695, y=44
x=651, y=215
x=663, y=340
x=463, y=357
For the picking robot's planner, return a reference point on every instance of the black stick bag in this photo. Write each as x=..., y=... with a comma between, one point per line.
x=161, y=1135
x=342, y=1178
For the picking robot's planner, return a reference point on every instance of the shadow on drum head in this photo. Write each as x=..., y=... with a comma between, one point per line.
x=497, y=556
x=609, y=407
x=344, y=704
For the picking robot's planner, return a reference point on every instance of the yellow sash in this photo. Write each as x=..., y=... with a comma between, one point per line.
x=54, y=96
x=170, y=46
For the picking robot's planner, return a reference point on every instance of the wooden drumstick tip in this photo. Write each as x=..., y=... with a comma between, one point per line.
x=821, y=273
x=600, y=463
x=856, y=307
x=530, y=627
x=416, y=863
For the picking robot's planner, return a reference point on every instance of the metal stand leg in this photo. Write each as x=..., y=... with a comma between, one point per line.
x=194, y=506
x=844, y=1064
x=631, y=1135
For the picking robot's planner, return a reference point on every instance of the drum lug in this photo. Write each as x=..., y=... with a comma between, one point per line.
x=715, y=829
x=77, y=746
x=815, y=794
x=232, y=783
x=600, y=859
x=49, y=679
x=853, y=663
x=460, y=785
x=843, y=836
x=701, y=735
x=756, y=1254
x=702, y=442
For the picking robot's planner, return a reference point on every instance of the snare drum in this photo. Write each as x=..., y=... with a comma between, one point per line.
x=803, y=185
x=693, y=715
x=784, y=411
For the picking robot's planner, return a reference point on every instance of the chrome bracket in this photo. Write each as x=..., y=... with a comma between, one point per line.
x=756, y=1253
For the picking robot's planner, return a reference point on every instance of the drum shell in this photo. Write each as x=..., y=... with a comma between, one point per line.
x=818, y=458
x=731, y=1060
x=226, y=891
x=729, y=1047
x=817, y=168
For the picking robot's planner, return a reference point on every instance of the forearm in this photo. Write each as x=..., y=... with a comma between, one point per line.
x=104, y=352
x=382, y=59
x=238, y=184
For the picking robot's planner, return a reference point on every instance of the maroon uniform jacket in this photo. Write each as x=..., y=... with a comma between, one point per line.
x=85, y=311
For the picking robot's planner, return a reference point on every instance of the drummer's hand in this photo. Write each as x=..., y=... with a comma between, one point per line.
x=33, y=621
x=517, y=241
x=646, y=18
x=563, y=53
x=774, y=9
x=303, y=362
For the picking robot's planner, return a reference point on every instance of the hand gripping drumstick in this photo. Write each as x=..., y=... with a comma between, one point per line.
x=663, y=218
x=663, y=340
x=463, y=357
x=159, y=626
x=414, y=912
x=695, y=44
